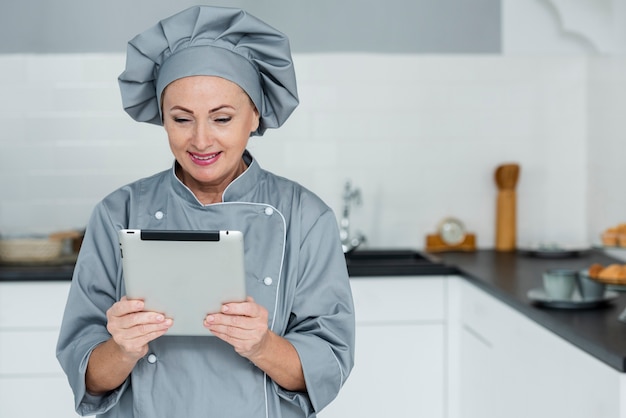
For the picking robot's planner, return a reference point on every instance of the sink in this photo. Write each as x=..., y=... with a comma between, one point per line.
x=386, y=256
x=394, y=262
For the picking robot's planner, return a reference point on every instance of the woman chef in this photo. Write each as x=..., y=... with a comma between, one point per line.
x=212, y=77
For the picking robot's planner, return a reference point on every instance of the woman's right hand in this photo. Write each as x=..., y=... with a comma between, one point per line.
x=132, y=328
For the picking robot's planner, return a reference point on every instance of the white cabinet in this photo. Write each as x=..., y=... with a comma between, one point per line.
x=32, y=383
x=506, y=365
x=400, y=350
x=435, y=347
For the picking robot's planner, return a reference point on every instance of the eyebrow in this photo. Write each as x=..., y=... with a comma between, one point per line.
x=215, y=109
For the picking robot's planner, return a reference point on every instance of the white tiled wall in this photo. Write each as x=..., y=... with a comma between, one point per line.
x=419, y=135
x=606, y=147
x=65, y=143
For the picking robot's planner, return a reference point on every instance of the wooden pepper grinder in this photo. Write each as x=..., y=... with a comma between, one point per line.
x=506, y=176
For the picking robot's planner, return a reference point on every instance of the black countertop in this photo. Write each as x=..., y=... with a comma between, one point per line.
x=41, y=272
x=506, y=276
x=509, y=277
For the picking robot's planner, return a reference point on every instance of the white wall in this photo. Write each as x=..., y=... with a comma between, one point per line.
x=606, y=200
x=420, y=135
x=596, y=31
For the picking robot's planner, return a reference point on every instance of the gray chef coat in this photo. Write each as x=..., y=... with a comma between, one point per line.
x=294, y=267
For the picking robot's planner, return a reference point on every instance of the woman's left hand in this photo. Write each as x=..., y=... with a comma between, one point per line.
x=241, y=324
x=244, y=326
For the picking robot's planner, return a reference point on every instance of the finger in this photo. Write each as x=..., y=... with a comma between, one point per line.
x=141, y=333
x=134, y=325
x=152, y=320
x=149, y=329
x=126, y=306
x=234, y=336
x=245, y=342
x=247, y=308
x=225, y=320
x=224, y=337
x=137, y=345
x=236, y=326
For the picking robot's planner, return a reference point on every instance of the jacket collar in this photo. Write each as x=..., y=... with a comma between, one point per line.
x=235, y=191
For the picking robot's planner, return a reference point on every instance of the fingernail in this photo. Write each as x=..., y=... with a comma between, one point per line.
x=224, y=308
x=159, y=318
x=210, y=318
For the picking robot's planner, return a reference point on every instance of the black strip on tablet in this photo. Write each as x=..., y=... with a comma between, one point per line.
x=157, y=235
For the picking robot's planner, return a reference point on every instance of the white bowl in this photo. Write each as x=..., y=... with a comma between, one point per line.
x=25, y=250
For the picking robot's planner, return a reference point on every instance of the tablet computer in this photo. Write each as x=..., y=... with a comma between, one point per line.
x=183, y=274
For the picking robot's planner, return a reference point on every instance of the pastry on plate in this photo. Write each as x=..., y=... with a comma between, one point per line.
x=594, y=270
x=609, y=237
x=614, y=273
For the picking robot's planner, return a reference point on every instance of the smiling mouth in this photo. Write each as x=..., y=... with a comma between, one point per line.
x=204, y=157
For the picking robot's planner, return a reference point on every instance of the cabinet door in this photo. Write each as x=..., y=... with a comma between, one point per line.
x=398, y=299
x=32, y=383
x=400, y=350
x=512, y=367
x=36, y=397
x=29, y=352
x=32, y=304
x=398, y=373
x=487, y=381
x=477, y=377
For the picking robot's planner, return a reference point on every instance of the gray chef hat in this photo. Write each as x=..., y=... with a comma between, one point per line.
x=217, y=41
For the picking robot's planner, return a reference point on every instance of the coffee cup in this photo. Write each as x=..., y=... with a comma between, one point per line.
x=590, y=289
x=559, y=284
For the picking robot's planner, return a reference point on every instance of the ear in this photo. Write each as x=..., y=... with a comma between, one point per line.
x=256, y=122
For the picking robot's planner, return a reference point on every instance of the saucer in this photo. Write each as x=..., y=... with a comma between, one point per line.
x=554, y=251
x=538, y=296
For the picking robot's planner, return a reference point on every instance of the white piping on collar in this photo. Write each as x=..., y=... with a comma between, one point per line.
x=225, y=190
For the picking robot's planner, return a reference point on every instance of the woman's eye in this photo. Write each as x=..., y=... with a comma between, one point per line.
x=224, y=119
x=181, y=120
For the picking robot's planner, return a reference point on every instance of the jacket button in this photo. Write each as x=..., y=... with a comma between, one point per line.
x=269, y=211
x=152, y=359
x=158, y=215
x=267, y=281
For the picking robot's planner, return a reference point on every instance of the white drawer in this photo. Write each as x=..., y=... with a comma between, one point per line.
x=32, y=304
x=384, y=299
x=36, y=398
x=486, y=317
x=28, y=353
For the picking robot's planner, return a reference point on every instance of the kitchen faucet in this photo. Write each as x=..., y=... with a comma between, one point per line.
x=350, y=195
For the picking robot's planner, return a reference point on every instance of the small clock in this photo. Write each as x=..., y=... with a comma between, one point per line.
x=452, y=231
x=451, y=236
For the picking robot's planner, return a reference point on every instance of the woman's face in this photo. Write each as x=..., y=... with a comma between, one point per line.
x=208, y=122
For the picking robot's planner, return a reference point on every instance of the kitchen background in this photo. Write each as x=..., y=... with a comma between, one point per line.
x=414, y=102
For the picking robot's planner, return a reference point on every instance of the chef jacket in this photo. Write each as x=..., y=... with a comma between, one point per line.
x=294, y=267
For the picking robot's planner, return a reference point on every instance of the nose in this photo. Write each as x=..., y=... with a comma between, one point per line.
x=203, y=136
